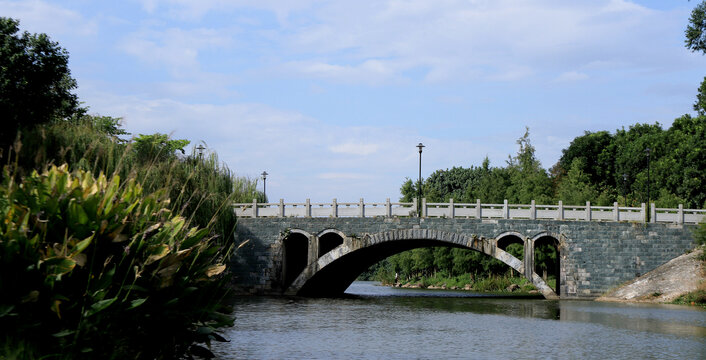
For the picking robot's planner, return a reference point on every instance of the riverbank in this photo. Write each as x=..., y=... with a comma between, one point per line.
x=499, y=284
x=681, y=281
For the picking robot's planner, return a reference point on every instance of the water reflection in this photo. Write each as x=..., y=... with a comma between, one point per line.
x=380, y=322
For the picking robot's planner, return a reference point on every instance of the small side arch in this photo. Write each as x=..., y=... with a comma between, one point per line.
x=516, y=244
x=547, y=257
x=328, y=240
x=510, y=237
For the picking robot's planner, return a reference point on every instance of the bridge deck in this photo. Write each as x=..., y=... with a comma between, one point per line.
x=476, y=210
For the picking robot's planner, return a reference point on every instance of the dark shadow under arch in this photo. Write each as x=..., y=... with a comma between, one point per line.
x=335, y=278
x=295, y=250
x=328, y=242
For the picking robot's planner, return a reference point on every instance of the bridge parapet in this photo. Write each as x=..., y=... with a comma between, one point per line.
x=475, y=210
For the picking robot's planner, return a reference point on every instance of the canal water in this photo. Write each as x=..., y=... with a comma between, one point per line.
x=377, y=322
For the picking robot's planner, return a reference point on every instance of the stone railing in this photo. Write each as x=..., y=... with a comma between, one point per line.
x=475, y=210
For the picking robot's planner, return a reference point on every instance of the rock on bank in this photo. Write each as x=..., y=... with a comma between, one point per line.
x=665, y=283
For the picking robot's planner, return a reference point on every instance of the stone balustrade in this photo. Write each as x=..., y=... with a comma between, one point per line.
x=475, y=210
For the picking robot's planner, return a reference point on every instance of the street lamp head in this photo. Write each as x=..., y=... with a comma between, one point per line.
x=647, y=151
x=264, y=175
x=420, y=146
x=625, y=177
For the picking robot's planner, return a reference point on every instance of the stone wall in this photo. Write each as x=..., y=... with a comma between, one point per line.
x=595, y=256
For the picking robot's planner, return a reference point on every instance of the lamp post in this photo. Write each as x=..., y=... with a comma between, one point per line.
x=420, y=146
x=200, y=148
x=264, y=184
x=647, y=152
x=625, y=187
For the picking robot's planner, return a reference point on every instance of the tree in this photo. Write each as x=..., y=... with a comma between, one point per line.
x=35, y=81
x=575, y=188
x=696, y=30
x=596, y=156
x=700, y=104
x=528, y=180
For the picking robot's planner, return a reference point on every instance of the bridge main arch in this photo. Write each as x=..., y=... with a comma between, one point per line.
x=334, y=271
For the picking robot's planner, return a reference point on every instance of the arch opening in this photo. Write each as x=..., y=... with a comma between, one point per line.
x=335, y=277
x=295, y=251
x=514, y=245
x=331, y=274
x=328, y=242
x=547, y=259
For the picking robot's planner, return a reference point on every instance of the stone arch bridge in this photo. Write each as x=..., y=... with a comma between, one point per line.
x=304, y=252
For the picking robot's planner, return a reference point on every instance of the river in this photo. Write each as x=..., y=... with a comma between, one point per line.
x=377, y=322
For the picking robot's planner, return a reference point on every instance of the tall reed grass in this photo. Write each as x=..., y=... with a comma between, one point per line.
x=201, y=187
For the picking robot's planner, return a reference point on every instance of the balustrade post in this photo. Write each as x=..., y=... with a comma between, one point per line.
x=616, y=212
x=451, y=208
x=653, y=213
x=643, y=212
x=415, y=207
x=334, y=208
x=254, y=208
x=388, y=208
x=307, y=208
x=281, y=207
x=361, y=211
x=533, y=210
x=479, y=211
x=680, y=214
x=560, y=211
x=424, y=207
x=588, y=211
x=506, y=210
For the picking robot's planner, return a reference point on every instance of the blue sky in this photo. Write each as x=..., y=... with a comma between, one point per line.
x=331, y=97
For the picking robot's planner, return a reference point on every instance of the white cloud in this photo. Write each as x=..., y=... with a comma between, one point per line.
x=372, y=71
x=458, y=40
x=176, y=48
x=571, y=76
x=43, y=17
x=342, y=176
x=355, y=149
x=304, y=156
x=393, y=41
x=195, y=10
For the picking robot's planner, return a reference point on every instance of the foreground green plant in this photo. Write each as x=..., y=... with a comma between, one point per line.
x=94, y=268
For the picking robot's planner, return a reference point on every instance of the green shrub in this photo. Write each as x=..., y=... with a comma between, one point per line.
x=92, y=267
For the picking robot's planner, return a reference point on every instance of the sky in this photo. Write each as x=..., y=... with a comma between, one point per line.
x=332, y=97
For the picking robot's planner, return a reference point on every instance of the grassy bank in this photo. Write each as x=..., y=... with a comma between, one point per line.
x=493, y=284
x=694, y=298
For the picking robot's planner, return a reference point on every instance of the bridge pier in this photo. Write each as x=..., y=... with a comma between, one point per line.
x=529, y=258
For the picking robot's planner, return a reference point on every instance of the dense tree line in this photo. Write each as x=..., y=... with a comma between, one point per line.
x=600, y=167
